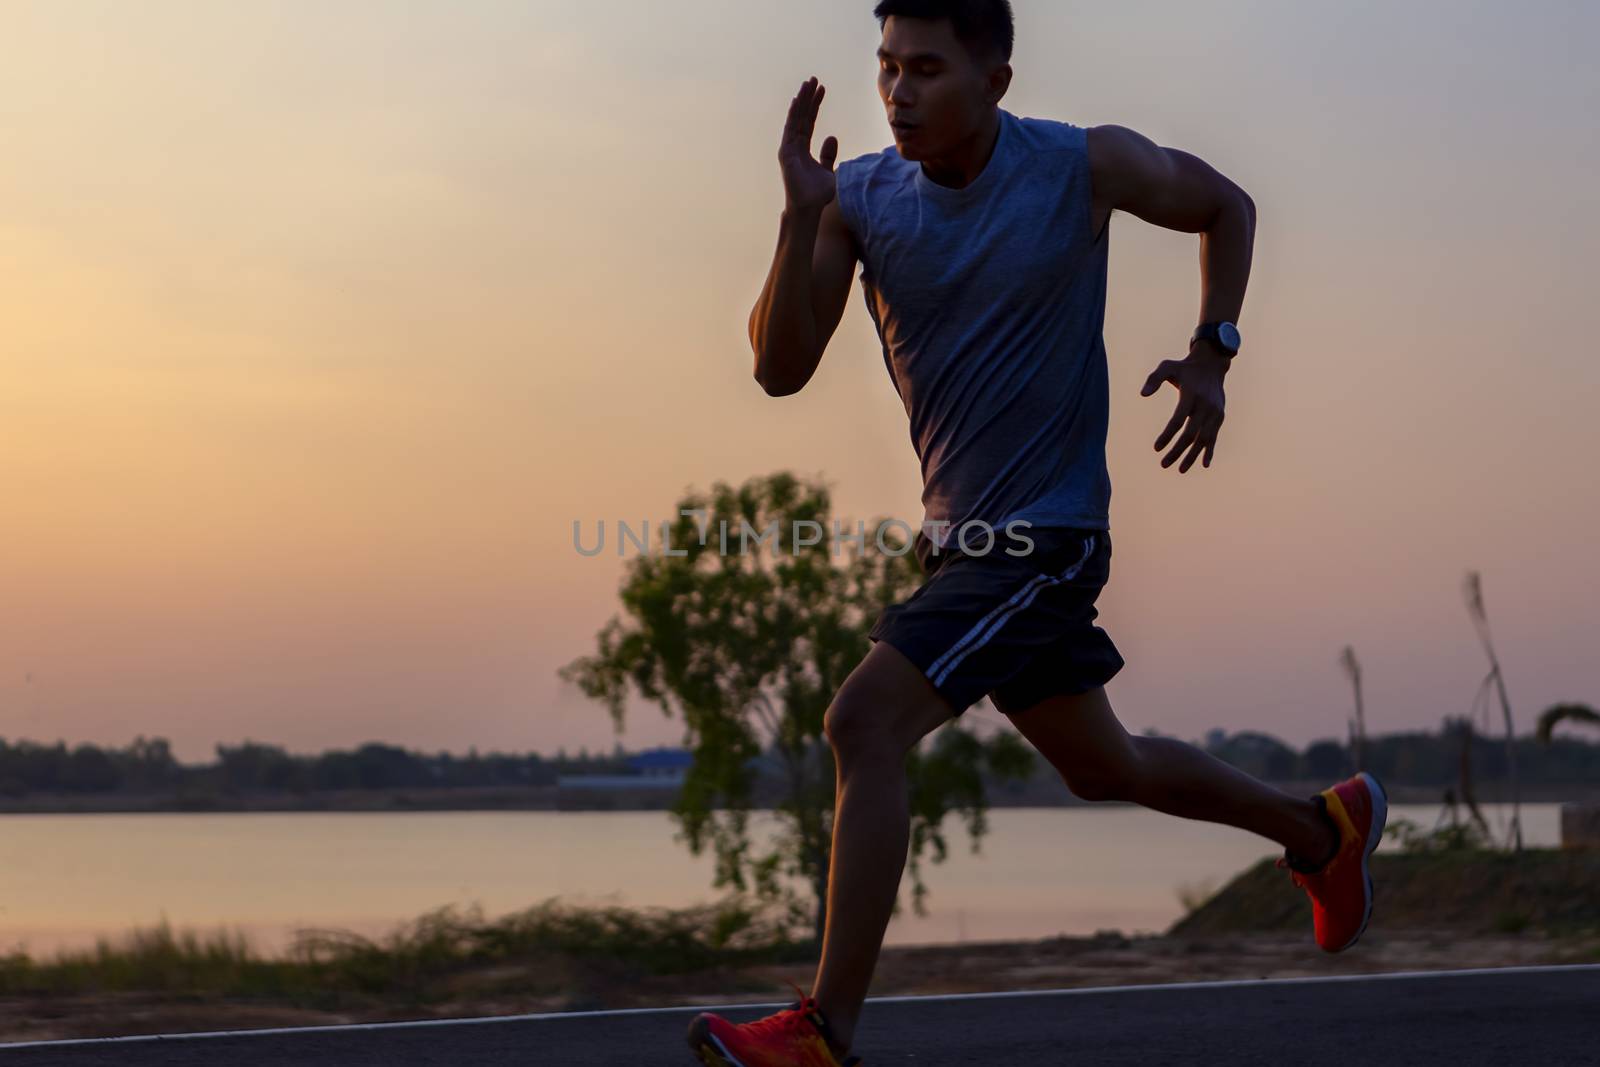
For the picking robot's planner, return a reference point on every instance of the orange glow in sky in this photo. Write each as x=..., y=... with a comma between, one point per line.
x=319, y=327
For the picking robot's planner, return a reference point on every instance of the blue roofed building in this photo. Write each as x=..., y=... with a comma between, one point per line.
x=658, y=768
x=671, y=763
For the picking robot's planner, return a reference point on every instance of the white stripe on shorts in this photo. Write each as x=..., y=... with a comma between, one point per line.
x=989, y=625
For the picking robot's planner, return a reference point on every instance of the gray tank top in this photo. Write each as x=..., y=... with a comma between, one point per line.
x=989, y=301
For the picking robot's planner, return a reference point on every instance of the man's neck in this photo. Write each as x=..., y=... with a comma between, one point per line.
x=961, y=170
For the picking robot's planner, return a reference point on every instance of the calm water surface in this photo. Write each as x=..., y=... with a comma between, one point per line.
x=66, y=879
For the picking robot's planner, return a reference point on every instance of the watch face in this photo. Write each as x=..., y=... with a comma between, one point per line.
x=1228, y=334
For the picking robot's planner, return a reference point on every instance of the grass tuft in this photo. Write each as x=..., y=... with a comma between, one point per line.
x=423, y=959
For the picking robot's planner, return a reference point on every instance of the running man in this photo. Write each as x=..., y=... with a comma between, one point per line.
x=982, y=239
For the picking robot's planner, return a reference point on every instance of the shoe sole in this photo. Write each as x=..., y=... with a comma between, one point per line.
x=705, y=1045
x=1380, y=816
x=711, y=1052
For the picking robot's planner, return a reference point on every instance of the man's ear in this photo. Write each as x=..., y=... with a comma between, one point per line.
x=999, y=82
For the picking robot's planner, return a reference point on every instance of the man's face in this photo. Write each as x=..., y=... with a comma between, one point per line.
x=928, y=78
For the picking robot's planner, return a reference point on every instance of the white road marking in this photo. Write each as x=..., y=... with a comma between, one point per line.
x=910, y=999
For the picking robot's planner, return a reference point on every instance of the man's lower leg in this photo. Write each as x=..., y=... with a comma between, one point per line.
x=1180, y=779
x=871, y=835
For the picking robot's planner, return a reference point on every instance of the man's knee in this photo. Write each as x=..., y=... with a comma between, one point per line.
x=884, y=708
x=860, y=723
x=854, y=723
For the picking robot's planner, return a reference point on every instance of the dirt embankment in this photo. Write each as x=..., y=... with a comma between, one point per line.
x=1551, y=891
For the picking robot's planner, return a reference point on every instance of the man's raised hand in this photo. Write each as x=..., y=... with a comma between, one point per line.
x=807, y=183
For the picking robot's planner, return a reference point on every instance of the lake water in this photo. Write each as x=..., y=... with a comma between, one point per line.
x=65, y=879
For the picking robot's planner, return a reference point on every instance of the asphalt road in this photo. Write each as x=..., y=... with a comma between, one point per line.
x=1545, y=1016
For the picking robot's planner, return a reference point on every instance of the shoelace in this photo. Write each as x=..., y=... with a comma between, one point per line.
x=784, y=1020
x=1294, y=876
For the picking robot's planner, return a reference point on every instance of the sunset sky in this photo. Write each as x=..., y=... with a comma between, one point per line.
x=320, y=324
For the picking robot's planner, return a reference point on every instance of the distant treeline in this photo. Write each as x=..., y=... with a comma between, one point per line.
x=148, y=765
x=1418, y=759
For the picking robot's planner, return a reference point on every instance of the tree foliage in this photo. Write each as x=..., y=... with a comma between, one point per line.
x=744, y=626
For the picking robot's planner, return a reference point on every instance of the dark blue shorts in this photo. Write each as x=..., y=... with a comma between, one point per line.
x=1015, y=628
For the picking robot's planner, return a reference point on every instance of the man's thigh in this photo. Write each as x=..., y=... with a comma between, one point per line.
x=1014, y=628
x=1078, y=733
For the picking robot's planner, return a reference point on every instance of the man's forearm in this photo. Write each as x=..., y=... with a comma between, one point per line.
x=1225, y=253
x=783, y=327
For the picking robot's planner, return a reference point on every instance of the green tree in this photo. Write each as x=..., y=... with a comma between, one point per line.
x=255, y=766
x=1326, y=760
x=748, y=644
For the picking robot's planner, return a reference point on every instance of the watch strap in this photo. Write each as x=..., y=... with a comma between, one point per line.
x=1211, y=331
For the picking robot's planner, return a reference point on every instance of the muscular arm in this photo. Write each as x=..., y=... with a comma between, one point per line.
x=1178, y=191
x=804, y=297
x=1175, y=190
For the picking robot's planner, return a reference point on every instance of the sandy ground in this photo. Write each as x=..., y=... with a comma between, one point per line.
x=1054, y=963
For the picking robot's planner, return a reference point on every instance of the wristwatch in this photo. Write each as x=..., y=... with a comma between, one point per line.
x=1225, y=335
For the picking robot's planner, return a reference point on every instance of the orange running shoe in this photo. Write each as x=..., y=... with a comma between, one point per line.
x=798, y=1036
x=1341, y=888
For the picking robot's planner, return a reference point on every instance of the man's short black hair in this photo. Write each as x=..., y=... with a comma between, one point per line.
x=986, y=27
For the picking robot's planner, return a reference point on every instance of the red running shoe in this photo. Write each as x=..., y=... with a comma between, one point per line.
x=1341, y=889
x=798, y=1036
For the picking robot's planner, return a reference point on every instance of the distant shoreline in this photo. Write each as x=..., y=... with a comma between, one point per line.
x=1039, y=793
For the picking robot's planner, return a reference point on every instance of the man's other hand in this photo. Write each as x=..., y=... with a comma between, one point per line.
x=1198, y=379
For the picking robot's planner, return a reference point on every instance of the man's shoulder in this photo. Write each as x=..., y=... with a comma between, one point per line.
x=1050, y=135
x=870, y=161
x=868, y=177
